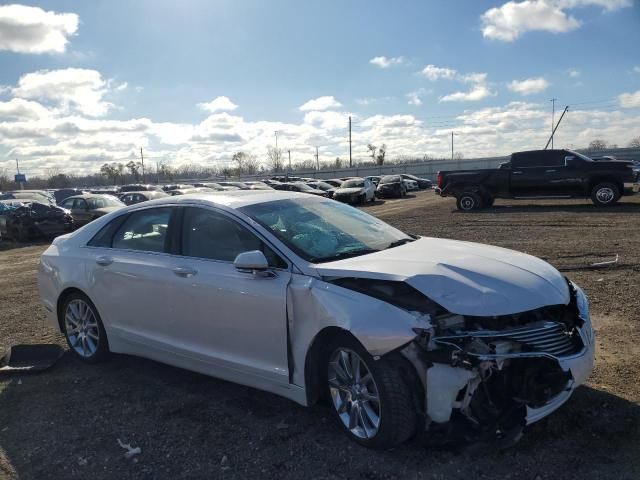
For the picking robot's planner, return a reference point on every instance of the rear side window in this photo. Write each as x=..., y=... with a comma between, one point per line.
x=550, y=158
x=210, y=235
x=144, y=230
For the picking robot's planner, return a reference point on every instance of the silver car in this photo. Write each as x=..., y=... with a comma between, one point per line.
x=310, y=298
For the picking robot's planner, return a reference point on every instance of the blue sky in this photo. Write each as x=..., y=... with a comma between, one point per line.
x=139, y=74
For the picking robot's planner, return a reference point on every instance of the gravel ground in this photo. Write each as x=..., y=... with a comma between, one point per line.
x=66, y=422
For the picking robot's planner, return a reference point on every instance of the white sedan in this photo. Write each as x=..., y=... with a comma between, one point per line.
x=309, y=298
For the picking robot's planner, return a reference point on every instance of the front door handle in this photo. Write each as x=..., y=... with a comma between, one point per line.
x=184, y=272
x=104, y=261
x=517, y=173
x=549, y=171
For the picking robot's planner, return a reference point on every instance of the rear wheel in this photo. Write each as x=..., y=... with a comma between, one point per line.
x=605, y=193
x=370, y=399
x=468, y=201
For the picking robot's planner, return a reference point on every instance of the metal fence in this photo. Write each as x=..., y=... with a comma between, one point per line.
x=429, y=168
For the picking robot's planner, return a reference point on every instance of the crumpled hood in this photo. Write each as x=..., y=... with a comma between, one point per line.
x=348, y=191
x=465, y=278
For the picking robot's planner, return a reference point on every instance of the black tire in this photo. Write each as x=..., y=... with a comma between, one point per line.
x=468, y=201
x=604, y=194
x=398, y=415
x=102, y=348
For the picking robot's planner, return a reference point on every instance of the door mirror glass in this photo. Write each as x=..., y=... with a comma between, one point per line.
x=252, y=260
x=570, y=161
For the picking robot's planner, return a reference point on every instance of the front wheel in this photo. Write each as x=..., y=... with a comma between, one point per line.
x=604, y=194
x=370, y=399
x=468, y=201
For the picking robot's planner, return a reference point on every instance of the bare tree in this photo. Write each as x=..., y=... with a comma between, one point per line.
x=246, y=163
x=634, y=143
x=382, y=151
x=372, y=149
x=597, y=144
x=109, y=171
x=134, y=168
x=274, y=159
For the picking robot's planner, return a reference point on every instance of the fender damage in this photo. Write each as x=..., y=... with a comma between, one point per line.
x=484, y=377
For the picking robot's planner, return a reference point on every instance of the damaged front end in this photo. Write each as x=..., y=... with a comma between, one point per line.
x=486, y=378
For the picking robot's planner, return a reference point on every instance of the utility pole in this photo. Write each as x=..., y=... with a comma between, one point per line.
x=289, y=151
x=142, y=160
x=157, y=173
x=350, y=162
x=566, y=109
x=18, y=169
x=451, y=145
x=553, y=120
x=317, y=160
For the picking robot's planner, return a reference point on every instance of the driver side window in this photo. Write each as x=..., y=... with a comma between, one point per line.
x=210, y=235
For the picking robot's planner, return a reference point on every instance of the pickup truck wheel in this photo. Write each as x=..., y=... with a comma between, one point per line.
x=604, y=193
x=468, y=201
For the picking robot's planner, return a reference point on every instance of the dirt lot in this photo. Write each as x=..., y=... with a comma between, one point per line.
x=65, y=423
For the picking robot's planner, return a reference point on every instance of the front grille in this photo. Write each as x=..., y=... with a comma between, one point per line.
x=547, y=337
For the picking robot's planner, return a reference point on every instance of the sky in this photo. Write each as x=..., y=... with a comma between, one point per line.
x=192, y=82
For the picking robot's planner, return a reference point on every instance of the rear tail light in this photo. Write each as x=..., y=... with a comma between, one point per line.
x=439, y=179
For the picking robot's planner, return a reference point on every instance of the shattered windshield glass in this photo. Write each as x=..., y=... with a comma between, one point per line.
x=324, y=230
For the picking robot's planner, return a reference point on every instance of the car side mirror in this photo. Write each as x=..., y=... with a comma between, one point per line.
x=570, y=161
x=252, y=261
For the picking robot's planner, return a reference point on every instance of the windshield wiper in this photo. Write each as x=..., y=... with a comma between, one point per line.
x=347, y=254
x=402, y=241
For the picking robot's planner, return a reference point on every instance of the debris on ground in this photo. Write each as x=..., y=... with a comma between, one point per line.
x=130, y=451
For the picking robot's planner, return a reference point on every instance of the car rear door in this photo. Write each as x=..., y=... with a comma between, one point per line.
x=131, y=274
x=234, y=320
x=80, y=212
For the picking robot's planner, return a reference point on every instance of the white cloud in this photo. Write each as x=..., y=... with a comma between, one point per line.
x=26, y=29
x=433, y=73
x=68, y=89
x=17, y=108
x=574, y=73
x=629, y=100
x=528, y=86
x=415, y=97
x=512, y=19
x=636, y=69
x=320, y=103
x=476, y=93
x=218, y=104
x=386, y=62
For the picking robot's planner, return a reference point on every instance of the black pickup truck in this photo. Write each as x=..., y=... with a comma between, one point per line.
x=539, y=174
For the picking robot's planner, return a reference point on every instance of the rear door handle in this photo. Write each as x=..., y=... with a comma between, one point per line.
x=184, y=272
x=549, y=171
x=104, y=261
x=517, y=173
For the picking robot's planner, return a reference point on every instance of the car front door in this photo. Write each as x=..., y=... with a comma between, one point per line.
x=234, y=320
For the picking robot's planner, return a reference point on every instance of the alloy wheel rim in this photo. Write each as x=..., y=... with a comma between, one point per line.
x=467, y=203
x=605, y=195
x=81, y=328
x=354, y=393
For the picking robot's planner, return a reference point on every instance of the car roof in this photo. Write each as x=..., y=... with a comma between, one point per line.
x=231, y=199
x=90, y=195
